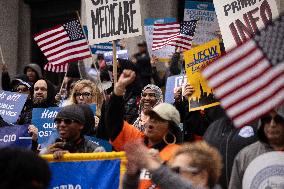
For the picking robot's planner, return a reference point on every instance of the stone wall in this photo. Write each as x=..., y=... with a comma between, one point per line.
x=15, y=34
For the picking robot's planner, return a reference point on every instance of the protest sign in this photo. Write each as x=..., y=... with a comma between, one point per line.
x=43, y=119
x=104, y=170
x=11, y=105
x=102, y=48
x=207, y=27
x=195, y=60
x=15, y=136
x=240, y=20
x=165, y=53
x=122, y=54
x=172, y=83
x=113, y=19
x=265, y=171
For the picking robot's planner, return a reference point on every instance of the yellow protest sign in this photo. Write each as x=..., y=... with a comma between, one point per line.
x=195, y=60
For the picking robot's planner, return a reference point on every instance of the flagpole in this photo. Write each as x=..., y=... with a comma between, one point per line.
x=114, y=60
x=2, y=57
x=63, y=79
x=100, y=82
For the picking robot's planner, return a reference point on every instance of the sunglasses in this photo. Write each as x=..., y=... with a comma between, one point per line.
x=267, y=119
x=192, y=170
x=85, y=94
x=66, y=121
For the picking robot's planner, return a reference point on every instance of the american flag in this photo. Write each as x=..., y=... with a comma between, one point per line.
x=249, y=79
x=174, y=34
x=64, y=43
x=56, y=68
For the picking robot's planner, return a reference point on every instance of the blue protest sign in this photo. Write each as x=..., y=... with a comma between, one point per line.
x=43, y=119
x=103, y=174
x=123, y=54
x=173, y=82
x=15, y=136
x=11, y=105
x=207, y=26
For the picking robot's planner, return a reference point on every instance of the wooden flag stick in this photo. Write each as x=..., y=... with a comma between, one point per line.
x=63, y=79
x=93, y=60
x=114, y=62
x=2, y=57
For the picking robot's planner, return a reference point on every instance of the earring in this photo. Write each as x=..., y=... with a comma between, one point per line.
x=165, y=140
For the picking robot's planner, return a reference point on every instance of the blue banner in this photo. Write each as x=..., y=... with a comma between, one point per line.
x=173, y=82
x=15, y=136
x=102, y=174
x=11, y=105
x=122, y=54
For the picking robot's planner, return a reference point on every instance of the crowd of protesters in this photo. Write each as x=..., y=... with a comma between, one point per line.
x=206, y=152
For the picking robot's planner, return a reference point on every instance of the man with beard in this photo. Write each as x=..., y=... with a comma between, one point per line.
x=43, y=94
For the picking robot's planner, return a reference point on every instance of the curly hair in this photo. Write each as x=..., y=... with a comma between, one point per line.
x=204, y=157
x=97, y=96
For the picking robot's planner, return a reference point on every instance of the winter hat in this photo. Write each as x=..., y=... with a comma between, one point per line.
x=72, y=112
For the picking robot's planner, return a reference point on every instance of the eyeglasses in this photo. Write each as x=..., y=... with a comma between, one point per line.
x=85, y=94
x=192, y=170
x=66, y=121
x=267, y=119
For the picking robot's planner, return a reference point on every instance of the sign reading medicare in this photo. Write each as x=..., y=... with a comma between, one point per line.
x=172, y=83
x=108, y=20
x=15, y=136
x=240, y=20
x=103, y=174
x=11, y=105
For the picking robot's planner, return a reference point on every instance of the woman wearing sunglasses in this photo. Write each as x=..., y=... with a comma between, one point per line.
x=195, y=165
x=270, y=138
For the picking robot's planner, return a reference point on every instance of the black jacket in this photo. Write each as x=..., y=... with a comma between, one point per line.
x=229, y=141
x=197, y=122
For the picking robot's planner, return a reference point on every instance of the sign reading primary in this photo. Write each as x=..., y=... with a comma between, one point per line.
x=239, y=20
x=109, y=20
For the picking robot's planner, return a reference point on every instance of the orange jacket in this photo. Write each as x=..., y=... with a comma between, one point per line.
x=129, y=133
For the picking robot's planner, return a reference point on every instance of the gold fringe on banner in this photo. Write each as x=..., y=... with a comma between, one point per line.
x=91, y=156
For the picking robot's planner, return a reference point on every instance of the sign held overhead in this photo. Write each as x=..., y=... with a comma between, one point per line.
x=109, y=20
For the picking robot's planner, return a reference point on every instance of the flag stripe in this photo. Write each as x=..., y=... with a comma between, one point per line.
x=230, y=57
x=173, y=34
x=52, y=38
x=256, y=112
x=44, y=34
x=237, y=82
x=65, y=46
x=58, y=42
x=236, y=68
x=79, y=49
x=71, y=57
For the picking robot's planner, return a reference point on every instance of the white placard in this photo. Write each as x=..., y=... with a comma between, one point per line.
x=109, y=20
x=238, y=20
